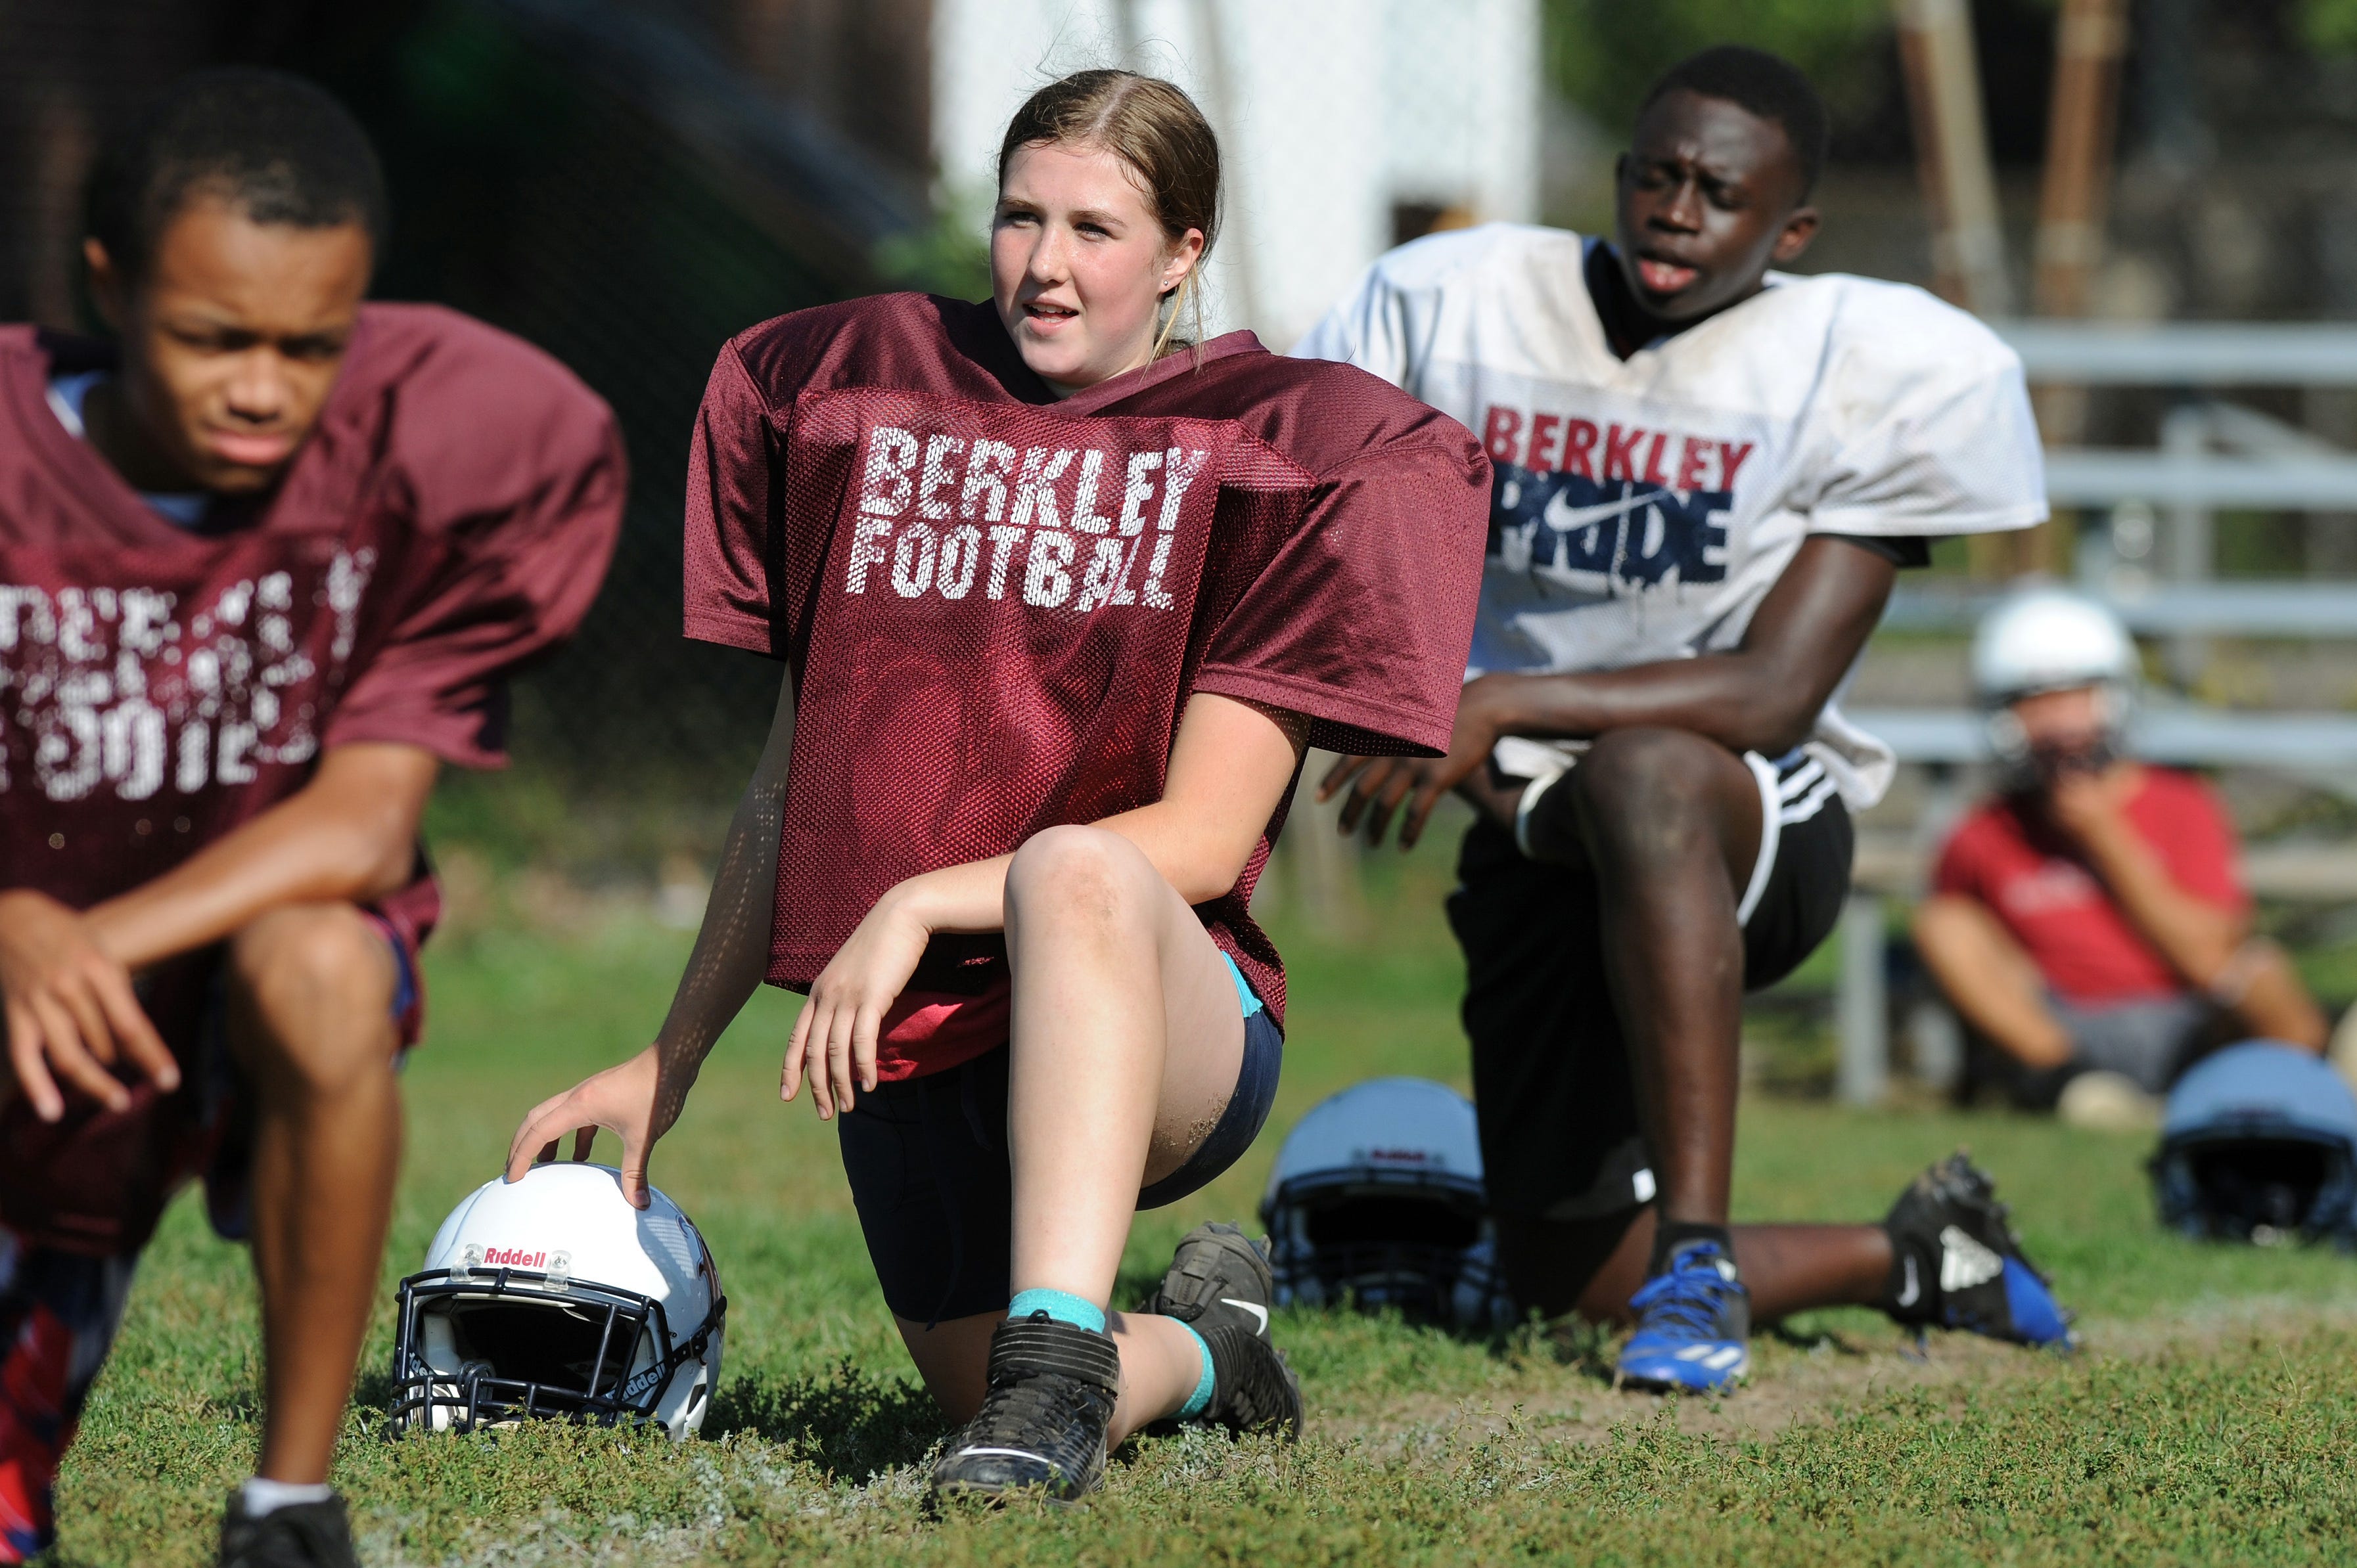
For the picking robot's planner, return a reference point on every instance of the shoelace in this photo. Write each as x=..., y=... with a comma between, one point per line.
x=1689, y=1295
x=1047, y=1413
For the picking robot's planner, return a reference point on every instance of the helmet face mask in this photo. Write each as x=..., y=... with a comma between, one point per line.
x=2262, y=1188
x=2259, y=1145
x=1376, y=1202
x=553, y=1298
x=1413, y=1248
x=486, y=1347
x=2029, y=762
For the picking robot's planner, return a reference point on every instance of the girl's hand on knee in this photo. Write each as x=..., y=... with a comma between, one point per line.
x=833, y=1042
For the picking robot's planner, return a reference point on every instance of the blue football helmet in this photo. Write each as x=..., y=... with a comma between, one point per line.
x=1376, y=1201
x=2260, y=1144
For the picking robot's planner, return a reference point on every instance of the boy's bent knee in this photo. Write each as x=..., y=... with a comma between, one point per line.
x=314, y=990
x=1634, y=768
x=1639, y=788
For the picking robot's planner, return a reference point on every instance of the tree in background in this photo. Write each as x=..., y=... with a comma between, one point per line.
x=2328, y=26
x=1602, y=54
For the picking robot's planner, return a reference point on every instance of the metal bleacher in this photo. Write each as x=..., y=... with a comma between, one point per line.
x=2151, y=558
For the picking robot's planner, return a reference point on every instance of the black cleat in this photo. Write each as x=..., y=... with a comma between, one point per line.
x=1042, y=1425
x=1219, y=1284
x=1217, y=1276
x=1252, y=1388
x=1959, y=1264
x=297, y=1535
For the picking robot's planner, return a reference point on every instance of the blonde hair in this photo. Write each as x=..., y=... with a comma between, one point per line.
x=1156, y=129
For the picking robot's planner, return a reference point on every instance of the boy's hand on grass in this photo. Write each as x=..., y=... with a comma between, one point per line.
x=621, y=1099
x=833, y=1042
x=70, y=1009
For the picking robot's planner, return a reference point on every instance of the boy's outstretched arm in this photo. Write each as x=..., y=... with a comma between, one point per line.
x=1761, y=695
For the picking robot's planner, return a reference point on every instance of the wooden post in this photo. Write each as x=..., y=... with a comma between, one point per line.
x=1863, y=1075
x=2089, y=35
x=1952, y=160
x=1324, y=873
x=1951, y=157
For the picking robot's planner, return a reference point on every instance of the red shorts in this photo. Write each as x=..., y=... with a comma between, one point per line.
x=58, y=1312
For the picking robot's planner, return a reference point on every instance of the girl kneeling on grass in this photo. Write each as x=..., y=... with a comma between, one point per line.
x=1061, y=600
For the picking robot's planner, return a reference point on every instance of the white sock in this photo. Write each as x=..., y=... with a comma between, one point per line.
x=262, y=1497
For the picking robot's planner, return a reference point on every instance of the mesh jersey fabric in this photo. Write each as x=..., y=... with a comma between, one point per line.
x=2006, y=857
x=995, y=604
x=1644, y=507
x=450, y=517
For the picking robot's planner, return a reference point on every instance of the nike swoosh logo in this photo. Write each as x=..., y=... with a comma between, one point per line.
x=1010, y=1453
x=1564, y=518
x=1914, y=1291
x=1260, y=1313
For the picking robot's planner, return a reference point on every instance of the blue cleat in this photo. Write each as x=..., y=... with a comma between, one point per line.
x=1959, y=1264
x=1694, y=1325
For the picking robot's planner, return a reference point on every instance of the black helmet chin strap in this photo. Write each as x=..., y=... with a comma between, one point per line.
x=659, y=1375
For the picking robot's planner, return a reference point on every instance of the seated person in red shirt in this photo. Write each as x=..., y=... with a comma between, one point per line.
x=2092, y=919
x=265, y=561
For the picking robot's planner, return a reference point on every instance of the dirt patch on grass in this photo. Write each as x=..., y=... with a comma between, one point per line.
x=1798, y=1381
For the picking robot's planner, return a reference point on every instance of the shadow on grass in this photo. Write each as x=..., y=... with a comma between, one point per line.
x=1589, y=1350
x=844, y=1420
x=1812, y=1339
x=372, y=1392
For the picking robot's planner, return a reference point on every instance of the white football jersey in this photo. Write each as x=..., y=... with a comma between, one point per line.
x=1643, y=508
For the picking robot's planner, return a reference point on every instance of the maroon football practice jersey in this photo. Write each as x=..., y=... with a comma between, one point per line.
x=450, y=516
x=996, y=604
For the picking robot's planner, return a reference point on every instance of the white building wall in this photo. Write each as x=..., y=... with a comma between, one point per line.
x=1328, y=112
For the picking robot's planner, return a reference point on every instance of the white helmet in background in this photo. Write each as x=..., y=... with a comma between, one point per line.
x=551, y=1296
x=1376, y=1200
x=2047, y=639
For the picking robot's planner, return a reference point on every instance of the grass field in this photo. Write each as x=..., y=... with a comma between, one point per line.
x=2206, y=1421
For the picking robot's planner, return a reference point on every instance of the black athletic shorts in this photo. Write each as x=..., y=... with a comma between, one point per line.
x=927, y=1159
x=1561, y=1138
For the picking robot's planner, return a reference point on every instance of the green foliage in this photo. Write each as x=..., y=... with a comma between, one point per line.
x=1604, y=54
x=2174, y=1440
x=2328, y=26
x=946, y=257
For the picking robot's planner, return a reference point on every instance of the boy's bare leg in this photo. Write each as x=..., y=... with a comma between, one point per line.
x=1670, y=823
x=310, y=1020
x=1551, y=1265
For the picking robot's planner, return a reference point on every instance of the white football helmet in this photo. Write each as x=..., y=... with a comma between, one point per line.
x=551, y=1296
x=1376, y=1200
x=2045, y=639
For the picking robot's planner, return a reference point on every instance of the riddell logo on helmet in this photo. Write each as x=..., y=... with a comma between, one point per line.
x=513, y=1258
x=1404, y=1156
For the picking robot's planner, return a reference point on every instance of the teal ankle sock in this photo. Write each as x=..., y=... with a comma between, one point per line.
x=1061, y=1305
x=1200, y=1399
